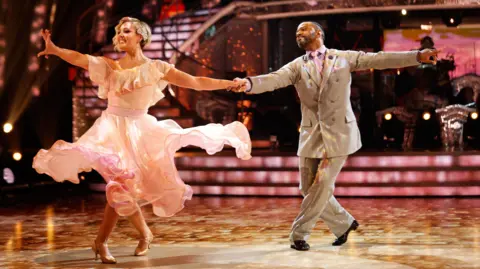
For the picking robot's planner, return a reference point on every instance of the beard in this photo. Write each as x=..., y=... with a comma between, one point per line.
x=304, y=41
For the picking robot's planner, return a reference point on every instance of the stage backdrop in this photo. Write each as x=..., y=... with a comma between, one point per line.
x=464, y=44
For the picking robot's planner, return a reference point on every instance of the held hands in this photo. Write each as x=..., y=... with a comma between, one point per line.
x=239, y=85
x=427, y=56
x=49, y=46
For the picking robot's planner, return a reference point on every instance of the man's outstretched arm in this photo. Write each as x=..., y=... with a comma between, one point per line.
x=283, y=77
x=360, y=60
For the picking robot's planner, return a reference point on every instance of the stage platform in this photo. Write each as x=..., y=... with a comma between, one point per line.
x=366, y=174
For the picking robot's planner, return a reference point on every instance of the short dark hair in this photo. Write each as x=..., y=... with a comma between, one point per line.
x=318, y=27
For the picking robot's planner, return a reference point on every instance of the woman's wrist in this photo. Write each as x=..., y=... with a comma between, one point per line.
x=227, y=83
x=54, y=50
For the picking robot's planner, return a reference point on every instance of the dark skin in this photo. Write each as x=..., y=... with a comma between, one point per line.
x=309, y=37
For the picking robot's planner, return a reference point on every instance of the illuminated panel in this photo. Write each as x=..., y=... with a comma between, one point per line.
x=408, y=191
x=441, y=161
x=392, y=177
x=400, y=161
x=268, y=191
x=340, y=191
x=229, y=161
x=469, y=160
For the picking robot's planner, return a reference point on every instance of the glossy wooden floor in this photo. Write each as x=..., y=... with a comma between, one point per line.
x=211, y=232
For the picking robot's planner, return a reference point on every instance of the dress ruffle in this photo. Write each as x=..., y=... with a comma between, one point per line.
x=124, y=81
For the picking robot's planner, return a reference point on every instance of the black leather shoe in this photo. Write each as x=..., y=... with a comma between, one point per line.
x=300, y=245
x=342, y=239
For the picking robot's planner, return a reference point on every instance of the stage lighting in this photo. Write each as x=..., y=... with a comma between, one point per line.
x=404, y=12
x=388, y=116
x=452, y=18
x=426, y=27
x=7, y=127
x=426, y=116
x=8, y=175
x=17, y=156
x=474, y=115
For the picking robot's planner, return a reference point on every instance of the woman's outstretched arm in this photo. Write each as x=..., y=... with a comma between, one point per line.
x=182, y=79
x=70, y=56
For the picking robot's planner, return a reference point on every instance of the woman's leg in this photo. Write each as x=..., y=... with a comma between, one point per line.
x=146, y=235
x=100, y=247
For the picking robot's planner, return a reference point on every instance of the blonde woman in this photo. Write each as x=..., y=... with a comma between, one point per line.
x=131, y=149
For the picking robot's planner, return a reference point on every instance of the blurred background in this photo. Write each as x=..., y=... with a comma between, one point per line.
x=419, y=125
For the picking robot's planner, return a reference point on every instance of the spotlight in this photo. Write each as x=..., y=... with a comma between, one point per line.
x=426, y=116
x=7, y=127
x=474, y=115
x=17, y=156
x=426, y=27
x=404, y=12
x=8, y=175
x=388, y=116
x=452, y=18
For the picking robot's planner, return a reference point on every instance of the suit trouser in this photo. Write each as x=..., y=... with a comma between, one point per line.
x=318, y=200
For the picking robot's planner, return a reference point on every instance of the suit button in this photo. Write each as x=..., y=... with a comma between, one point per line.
x=337, y=80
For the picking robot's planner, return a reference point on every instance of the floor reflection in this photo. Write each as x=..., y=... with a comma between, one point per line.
x=213, y=232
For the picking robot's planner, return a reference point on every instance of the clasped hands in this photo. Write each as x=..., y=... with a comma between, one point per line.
x=239, y=85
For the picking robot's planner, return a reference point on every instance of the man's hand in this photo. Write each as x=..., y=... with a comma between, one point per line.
x=241, y=85
x=427, y=56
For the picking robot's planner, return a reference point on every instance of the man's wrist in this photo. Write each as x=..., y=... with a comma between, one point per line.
x=418, y=57
x=249, y=85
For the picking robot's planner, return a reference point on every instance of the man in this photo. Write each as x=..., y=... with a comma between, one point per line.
x=329, y=131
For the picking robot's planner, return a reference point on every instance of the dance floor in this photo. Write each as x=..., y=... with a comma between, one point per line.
x=56, y=231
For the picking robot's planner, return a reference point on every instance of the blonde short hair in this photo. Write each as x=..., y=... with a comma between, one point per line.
x=141, y=28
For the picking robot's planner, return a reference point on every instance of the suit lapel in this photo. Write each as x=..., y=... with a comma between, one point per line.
x=312, y=71
x=328, y=64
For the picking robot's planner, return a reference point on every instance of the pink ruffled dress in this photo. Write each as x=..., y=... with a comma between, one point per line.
x=131, y=149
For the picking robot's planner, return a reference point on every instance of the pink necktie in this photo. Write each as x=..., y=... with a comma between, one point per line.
x=318, y=58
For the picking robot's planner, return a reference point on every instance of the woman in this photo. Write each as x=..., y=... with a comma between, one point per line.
x=129, y=148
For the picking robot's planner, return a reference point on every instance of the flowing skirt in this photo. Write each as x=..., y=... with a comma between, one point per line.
x=134, y=153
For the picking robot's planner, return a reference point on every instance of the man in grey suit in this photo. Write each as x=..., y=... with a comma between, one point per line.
x=328, y=132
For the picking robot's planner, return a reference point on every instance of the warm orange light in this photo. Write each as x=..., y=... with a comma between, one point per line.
x=474, y=115
x=426, y=116
x=7, y=127
x=388, y=116
x=17, y=156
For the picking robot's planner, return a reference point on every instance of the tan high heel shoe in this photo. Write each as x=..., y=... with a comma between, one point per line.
x=143, y=246
x=102, y=250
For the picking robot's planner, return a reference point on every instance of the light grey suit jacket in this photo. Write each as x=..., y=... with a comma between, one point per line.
x=328, y=123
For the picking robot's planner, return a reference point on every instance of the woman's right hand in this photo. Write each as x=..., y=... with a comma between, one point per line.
x=49, y=46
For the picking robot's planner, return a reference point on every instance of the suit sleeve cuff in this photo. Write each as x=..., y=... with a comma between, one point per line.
x=249, y=85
